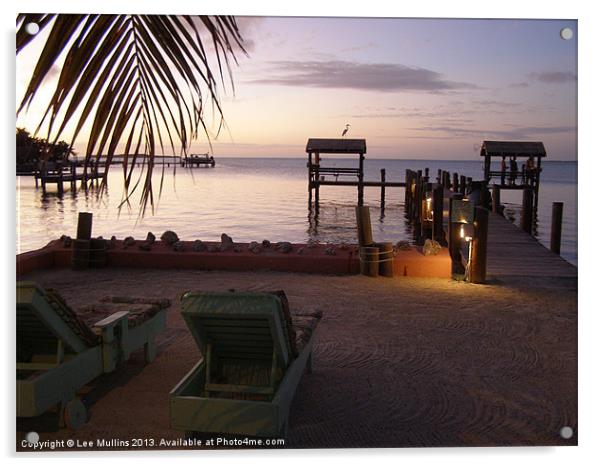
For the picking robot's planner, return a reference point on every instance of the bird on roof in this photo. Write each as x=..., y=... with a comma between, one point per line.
x=345, y=130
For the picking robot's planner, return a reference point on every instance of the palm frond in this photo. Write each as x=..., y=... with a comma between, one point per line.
x=135, y=80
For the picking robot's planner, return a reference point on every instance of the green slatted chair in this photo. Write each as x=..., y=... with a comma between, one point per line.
x=58, y=352
x=254, y=351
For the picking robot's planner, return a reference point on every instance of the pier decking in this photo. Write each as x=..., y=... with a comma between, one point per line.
x=513, y=252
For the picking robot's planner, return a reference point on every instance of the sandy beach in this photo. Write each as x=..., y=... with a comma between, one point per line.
x=403, y=362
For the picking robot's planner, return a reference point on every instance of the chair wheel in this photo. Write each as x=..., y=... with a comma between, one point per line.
x=75, y=414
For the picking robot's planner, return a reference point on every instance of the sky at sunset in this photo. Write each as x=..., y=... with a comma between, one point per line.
x=414, y=88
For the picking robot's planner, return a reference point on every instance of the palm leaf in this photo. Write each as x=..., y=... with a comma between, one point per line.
x=138, y=81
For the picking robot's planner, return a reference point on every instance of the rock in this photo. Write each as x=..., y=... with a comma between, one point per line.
x=199, y=246
x=312, y=243
x=403, y=245
x=301, y=251
x=150, y=238
x=212, y=248
x=113, y=242
x=66, y=240
x=169, y=238
x=284, y=247
x=255, y=247
x=227, y=243
x=128, y=241
x=237, y=249
x=330, y=251
x=146, y=246
x=266, y=243
x=431, y=247
x=343, y=246
x=178, y=246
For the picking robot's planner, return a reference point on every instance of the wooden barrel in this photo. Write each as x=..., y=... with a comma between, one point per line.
x=385, y=259
x=98, y=253
x=369, y=261
x=80, y=254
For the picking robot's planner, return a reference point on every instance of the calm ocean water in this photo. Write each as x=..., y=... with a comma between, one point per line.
x=266, y=198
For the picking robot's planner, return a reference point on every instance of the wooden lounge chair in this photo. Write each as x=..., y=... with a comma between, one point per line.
x=254, y=353
x=59, y=351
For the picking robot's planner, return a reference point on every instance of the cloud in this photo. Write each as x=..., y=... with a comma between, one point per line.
x=519, y=85
x=515, y=133
x=554, y=77
x=339, y=74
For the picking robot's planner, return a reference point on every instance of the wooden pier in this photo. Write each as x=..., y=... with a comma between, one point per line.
x=317, y=173
x=512, y=252
x=484, y=246
x=198, y=160
x=66, y=173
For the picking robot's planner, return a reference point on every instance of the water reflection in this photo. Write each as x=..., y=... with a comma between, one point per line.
x=255, y=199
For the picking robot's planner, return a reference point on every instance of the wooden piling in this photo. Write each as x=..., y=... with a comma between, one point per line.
x=60, y=181
x=455, y=243
x=526, y=217
x=360, y=186
x=455, y=183
x=447, y=183
x=418, y=196
x=556, y=230
x=382, y=188
x=364, y=226
x=437, y=200
x=407, y=190
x=496, y=206
x=84, y=225
x=426, y=224
x=462, y=185
x=478, y=254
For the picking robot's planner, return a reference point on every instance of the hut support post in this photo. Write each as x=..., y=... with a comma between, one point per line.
x=360, y=186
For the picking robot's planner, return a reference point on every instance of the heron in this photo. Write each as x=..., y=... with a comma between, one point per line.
x=345, y=130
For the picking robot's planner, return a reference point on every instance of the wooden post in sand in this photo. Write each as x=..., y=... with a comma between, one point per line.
x=455, y=183
x=84, y=225
x=80, y=254
x=555, y=234
x=478, y=254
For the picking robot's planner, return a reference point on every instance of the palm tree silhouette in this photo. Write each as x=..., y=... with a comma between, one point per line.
x=139, y=82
